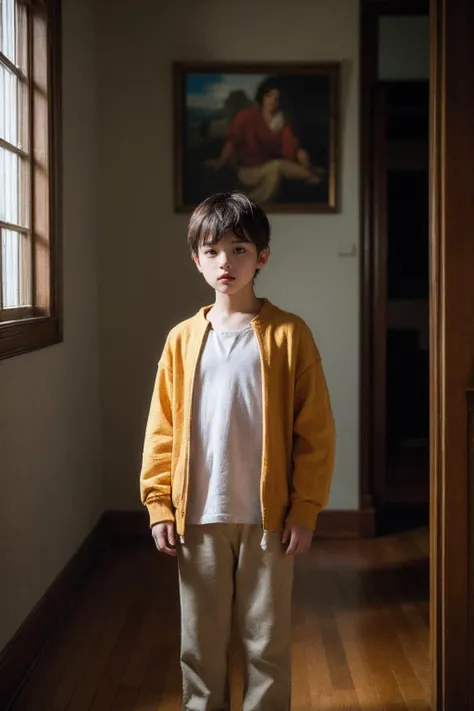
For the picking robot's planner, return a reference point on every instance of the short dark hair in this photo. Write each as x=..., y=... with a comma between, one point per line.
x=228, y=212
x=264, y=88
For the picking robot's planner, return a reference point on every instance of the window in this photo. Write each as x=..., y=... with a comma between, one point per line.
x=30, y=308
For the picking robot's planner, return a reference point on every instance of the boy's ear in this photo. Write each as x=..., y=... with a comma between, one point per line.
x=196, y=262
x=263, y=257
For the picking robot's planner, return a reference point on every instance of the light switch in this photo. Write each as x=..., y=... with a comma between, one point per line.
x=347, y=249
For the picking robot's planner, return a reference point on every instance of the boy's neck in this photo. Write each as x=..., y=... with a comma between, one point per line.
x=245, y=302
x=235, y=309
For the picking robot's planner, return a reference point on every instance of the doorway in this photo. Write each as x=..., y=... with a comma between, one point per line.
x=396, y=180
x=451, y=332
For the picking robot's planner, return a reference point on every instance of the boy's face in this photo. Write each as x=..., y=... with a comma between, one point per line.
x=271, y=101
x=229, y=266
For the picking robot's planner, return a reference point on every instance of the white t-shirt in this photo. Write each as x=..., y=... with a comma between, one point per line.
x=226, y=434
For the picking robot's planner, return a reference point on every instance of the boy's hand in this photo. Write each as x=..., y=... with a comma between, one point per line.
x=164, y=535
x=299, y=539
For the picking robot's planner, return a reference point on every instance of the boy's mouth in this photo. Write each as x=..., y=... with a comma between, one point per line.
x=226, y=277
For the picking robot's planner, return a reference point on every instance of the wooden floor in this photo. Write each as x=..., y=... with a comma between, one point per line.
x=361, y=637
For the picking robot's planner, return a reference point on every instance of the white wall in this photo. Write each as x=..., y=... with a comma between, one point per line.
x=50, y=462
x=147, y=280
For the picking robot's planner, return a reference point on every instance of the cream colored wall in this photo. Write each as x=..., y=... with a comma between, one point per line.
x=50, y=460
x=147, y=280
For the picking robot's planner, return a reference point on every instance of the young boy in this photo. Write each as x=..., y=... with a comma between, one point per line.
x=237, y=462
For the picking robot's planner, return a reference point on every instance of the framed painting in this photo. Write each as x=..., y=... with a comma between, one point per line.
x=269, y=130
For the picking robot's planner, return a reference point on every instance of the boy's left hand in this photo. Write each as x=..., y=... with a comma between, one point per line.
x=299, y=539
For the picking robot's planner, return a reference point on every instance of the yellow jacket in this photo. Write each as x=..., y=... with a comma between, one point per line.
x=298, y=426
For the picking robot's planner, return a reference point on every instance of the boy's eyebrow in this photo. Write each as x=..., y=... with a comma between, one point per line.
x=235, y=240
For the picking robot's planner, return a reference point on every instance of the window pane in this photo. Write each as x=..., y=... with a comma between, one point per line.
x=21, y=38
x=14, y=189
x=16, y=269
x=9, y=186
x=8, y=40
x=10, y=269
x=9, y=104
x=13, y=109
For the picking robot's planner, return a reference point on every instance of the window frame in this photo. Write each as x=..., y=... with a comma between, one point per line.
x=39, y=326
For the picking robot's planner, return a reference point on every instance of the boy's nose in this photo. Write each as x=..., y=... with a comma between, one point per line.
x=224, y=262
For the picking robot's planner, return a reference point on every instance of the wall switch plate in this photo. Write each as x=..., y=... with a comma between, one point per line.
x=347, y=249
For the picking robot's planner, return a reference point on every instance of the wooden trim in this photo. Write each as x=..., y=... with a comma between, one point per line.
x=452, y=351
x=12, y=315
x=19, y=657
x=346, y=524
x=436, y=495
x=29, y=334
x=379, y=299
x=368, y=60
x=31, y=147
x=55, y=188
x=38, y=5
x=331, y=524
x=13, y=149
x=398, y=7
x=470, y=402
x=12, y=68
x=14, y=228
x=470, y=445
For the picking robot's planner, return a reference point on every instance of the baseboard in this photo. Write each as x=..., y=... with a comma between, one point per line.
x=346, y=524
x=23, y=651
x=331, y=524
x=20, y=655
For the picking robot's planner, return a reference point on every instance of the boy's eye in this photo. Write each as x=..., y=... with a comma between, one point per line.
x=210, y=252
x=240, y=250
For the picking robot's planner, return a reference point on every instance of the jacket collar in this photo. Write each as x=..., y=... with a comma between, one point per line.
x=262, y=317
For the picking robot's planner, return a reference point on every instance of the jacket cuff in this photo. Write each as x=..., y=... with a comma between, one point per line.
x=159, y=511
x=303, y=513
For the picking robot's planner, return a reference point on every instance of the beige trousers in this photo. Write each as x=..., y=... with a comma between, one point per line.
x=223, y=571
x=263, y=181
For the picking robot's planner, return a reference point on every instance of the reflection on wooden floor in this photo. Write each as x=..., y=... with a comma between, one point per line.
x=361, y=637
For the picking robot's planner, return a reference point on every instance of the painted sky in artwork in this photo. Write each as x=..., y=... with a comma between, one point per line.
x=209, y=91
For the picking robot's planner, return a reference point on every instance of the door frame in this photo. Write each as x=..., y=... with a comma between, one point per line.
x=372, y=358
x=451, y=330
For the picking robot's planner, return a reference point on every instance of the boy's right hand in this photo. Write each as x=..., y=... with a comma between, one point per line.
x=164, y=535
